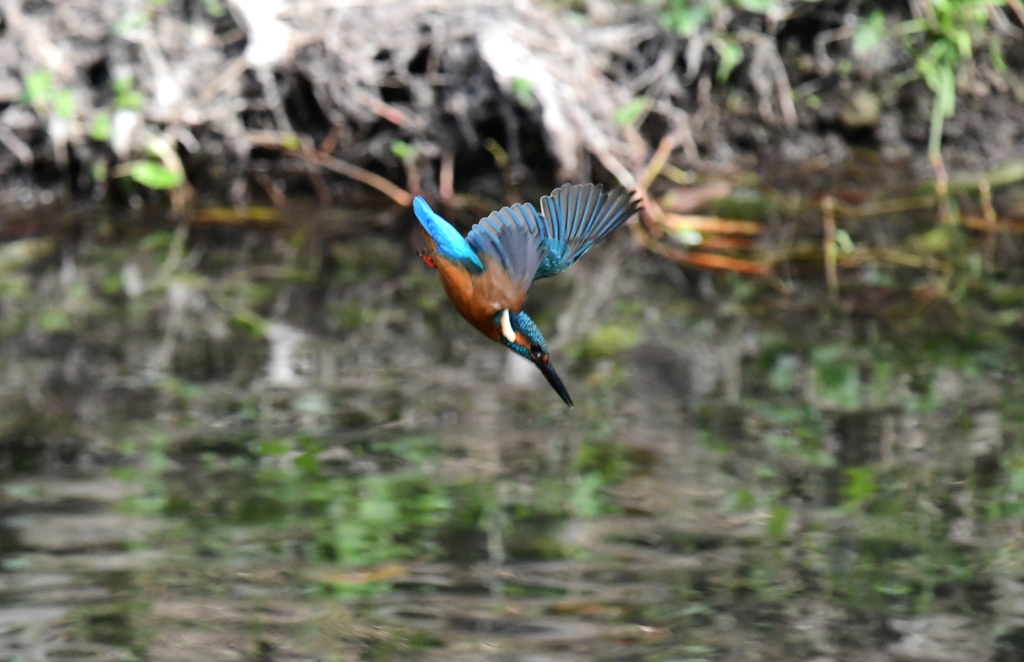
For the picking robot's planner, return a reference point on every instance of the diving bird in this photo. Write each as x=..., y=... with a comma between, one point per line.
x=488, y=273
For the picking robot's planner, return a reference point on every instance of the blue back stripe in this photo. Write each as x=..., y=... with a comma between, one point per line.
x=450, y=243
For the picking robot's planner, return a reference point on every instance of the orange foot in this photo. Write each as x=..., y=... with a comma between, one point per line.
x=426, y=258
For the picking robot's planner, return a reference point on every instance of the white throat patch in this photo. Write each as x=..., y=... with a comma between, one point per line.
x=506, y=327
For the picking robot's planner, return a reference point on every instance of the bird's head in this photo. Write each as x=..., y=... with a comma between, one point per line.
x=520, y=334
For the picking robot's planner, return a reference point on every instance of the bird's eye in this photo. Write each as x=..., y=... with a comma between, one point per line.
x=535, y=349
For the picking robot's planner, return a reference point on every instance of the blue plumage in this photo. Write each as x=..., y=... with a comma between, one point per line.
x=531, y=245
x=509, y=249
x=450, y=242
x=507, y=236
x=573, y=219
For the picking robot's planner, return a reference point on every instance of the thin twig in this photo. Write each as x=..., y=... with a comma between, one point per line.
x=898, y=258
x=236, y=215
x=683, y=200
x=412, y=176
x=828, y=218
x=989, y=215
x=894, y=206
x=446, y=178
x=364, y=176
x=710, y=260
x=16, y=146
x=658, y=160
x=34, y=40
x=941, y=185
x=783, y=87
x=220, y=83
x=270, y=187
x=330, y=141
x=711, y=224
x=323, y=193
x=979, y=224
x=1009, y=173
x=652, y=217
x=1018, y=9
x=719, y=243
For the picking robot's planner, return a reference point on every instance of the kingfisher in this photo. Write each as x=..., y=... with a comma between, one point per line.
x=488, y=273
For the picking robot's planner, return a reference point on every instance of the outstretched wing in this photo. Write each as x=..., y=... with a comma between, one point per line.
x=574, y=218
x=512, y=237
x=531, y=245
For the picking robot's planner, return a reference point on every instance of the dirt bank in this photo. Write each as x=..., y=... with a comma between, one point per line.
x=242, y=99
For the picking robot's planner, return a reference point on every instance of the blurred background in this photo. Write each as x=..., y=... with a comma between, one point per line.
x=239, y=419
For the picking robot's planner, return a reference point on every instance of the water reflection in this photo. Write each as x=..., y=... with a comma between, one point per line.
x=265, y=456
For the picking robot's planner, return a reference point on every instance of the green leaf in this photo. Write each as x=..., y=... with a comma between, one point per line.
x=39, y=89
x=893, y=588
x=64, y=104
x=942, y=80
x=22, y=492
x=756, y=6
x=995, y=54
x=629, y=113
x=609, y=340
x=742, y=500
x=860, y=484
x=784, y=373
x=843, y=242
x=779, y=519
x=155, y=175
x=250, y=322
x=54, y=320
x=215, y=8
x=588, y=497
x=122, y=83
x=130, y=100
x=837, y=377
x=522, y=89
x=272, y=447
x=962, y=39
x=101, y=128
x=132, y=21
x=16, y=564
x=403, y=151
x=159, y=240
x=1016, y=478
x=869, y=34
x=730, y=54
x=308, y=462
x=125, y=95
x=685, y=18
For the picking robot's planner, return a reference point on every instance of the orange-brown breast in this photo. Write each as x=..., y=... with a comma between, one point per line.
x=478, y=297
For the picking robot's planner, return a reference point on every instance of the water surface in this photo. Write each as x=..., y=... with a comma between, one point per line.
x=252, y=444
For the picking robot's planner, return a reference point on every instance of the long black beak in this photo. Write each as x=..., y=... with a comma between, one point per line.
x=552, y=377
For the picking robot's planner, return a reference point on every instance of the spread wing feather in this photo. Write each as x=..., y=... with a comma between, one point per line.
x=578, y=217
x=510, y=236
x=532, y=245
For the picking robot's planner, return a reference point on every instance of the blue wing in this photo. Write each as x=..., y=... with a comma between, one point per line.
x=512, y=236
x=532, y=245
x=575, y=218
x=449, y=241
